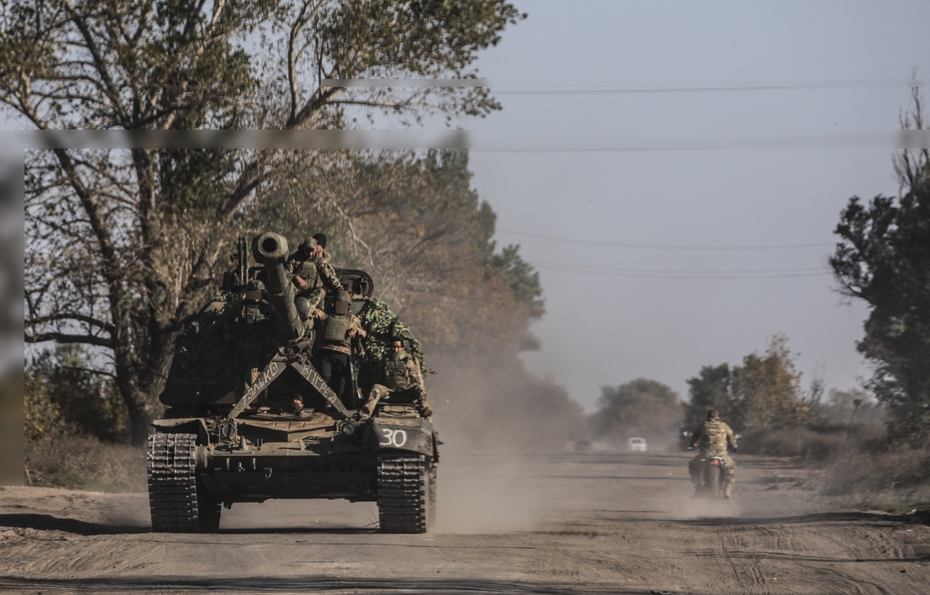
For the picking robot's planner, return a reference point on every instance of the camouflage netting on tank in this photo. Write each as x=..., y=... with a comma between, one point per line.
x=382, y=324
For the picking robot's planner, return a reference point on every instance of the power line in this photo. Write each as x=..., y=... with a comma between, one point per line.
x=661, y=247
x=726, y=88
x=455, y=82
x=591, y=268
x=696, y=275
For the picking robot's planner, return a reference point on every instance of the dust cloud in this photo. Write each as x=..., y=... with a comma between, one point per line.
x=479, y=495
x=494, y=419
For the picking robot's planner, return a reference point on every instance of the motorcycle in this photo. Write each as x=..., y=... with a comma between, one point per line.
x=713, y=478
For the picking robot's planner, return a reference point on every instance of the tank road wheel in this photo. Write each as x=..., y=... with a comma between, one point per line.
x=403, y=493
x=173, y=498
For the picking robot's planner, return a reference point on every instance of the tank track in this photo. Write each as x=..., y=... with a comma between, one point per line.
x=404, y=494
x=173, y=486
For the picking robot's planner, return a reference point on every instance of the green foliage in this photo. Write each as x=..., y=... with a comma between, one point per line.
x=64, y=397
x=382, y=326
x=638, y=408
x=765, y=390
x=709, y=390
x=123, y=246
x=883, y=258
x=521, y=278
x=43, y=418
x=169, y=64
x=412, y=220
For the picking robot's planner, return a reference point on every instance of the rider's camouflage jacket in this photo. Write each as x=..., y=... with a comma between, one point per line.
x=713, y=436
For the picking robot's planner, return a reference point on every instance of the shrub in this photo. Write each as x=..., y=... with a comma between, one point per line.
x=794, y=441
x=63, y=396
x=867, y=473
x=42, y=416
x=84, y=463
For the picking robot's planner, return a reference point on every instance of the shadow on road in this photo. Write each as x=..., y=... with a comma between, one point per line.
x=306, y=584
x=818, y=517
x=47, y=522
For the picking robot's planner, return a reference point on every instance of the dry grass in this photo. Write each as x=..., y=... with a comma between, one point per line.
x=813, y=443
x=856, y=466
x=794, y=441
x=84, y=463
x=897, y=480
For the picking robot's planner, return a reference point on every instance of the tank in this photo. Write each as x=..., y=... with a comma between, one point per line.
x=231, y=432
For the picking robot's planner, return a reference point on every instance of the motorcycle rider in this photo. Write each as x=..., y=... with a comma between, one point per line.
x=713, y=437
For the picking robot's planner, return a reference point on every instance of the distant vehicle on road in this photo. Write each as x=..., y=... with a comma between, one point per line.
x=637, y=444
x=583, y=445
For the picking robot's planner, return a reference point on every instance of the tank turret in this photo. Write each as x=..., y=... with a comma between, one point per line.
x=270, y=249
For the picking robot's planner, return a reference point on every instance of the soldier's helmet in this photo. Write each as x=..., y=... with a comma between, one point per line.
x=303, y=308
x=306, y=247
x=254, y=290
x=341, y=304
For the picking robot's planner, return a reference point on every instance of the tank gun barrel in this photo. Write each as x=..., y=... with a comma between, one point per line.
x=270, y=249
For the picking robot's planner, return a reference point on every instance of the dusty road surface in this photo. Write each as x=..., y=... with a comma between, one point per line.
x=590, y=522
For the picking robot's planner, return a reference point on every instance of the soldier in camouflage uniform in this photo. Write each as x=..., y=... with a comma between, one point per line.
x=399, y=381
x=335, y=335
x=713, y=437
x=383, y=326
x=312, y=274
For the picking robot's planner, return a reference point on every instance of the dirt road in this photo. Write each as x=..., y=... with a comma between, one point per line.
x=591, y=522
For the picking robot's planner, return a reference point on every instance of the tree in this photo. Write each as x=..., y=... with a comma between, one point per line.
x=122, y=246
x=709, y=390
x=765, y=390
x=65, y=396
x=413, y=221
x=848, y=407
x=641, y=407
x=883, y=258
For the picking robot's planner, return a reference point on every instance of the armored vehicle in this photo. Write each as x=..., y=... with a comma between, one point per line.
x=234, y=433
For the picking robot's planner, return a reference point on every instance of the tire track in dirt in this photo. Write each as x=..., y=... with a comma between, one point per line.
x=594, y=534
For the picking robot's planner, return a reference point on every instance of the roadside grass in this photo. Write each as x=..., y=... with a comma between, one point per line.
x=813, y=443
x=84, y=463
x=895, y=480
x=855, y=467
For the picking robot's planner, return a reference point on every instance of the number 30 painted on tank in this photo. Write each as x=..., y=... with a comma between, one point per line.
x=390, y=437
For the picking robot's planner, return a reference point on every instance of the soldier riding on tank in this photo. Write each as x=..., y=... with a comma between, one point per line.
x=336, y=333
x=312, y=275
x=399, y=381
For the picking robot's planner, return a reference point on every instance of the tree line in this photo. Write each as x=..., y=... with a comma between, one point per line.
x=883, y=258
x=123, y=246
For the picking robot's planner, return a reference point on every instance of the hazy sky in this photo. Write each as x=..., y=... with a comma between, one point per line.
x=773, y=167
x=606, y=323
